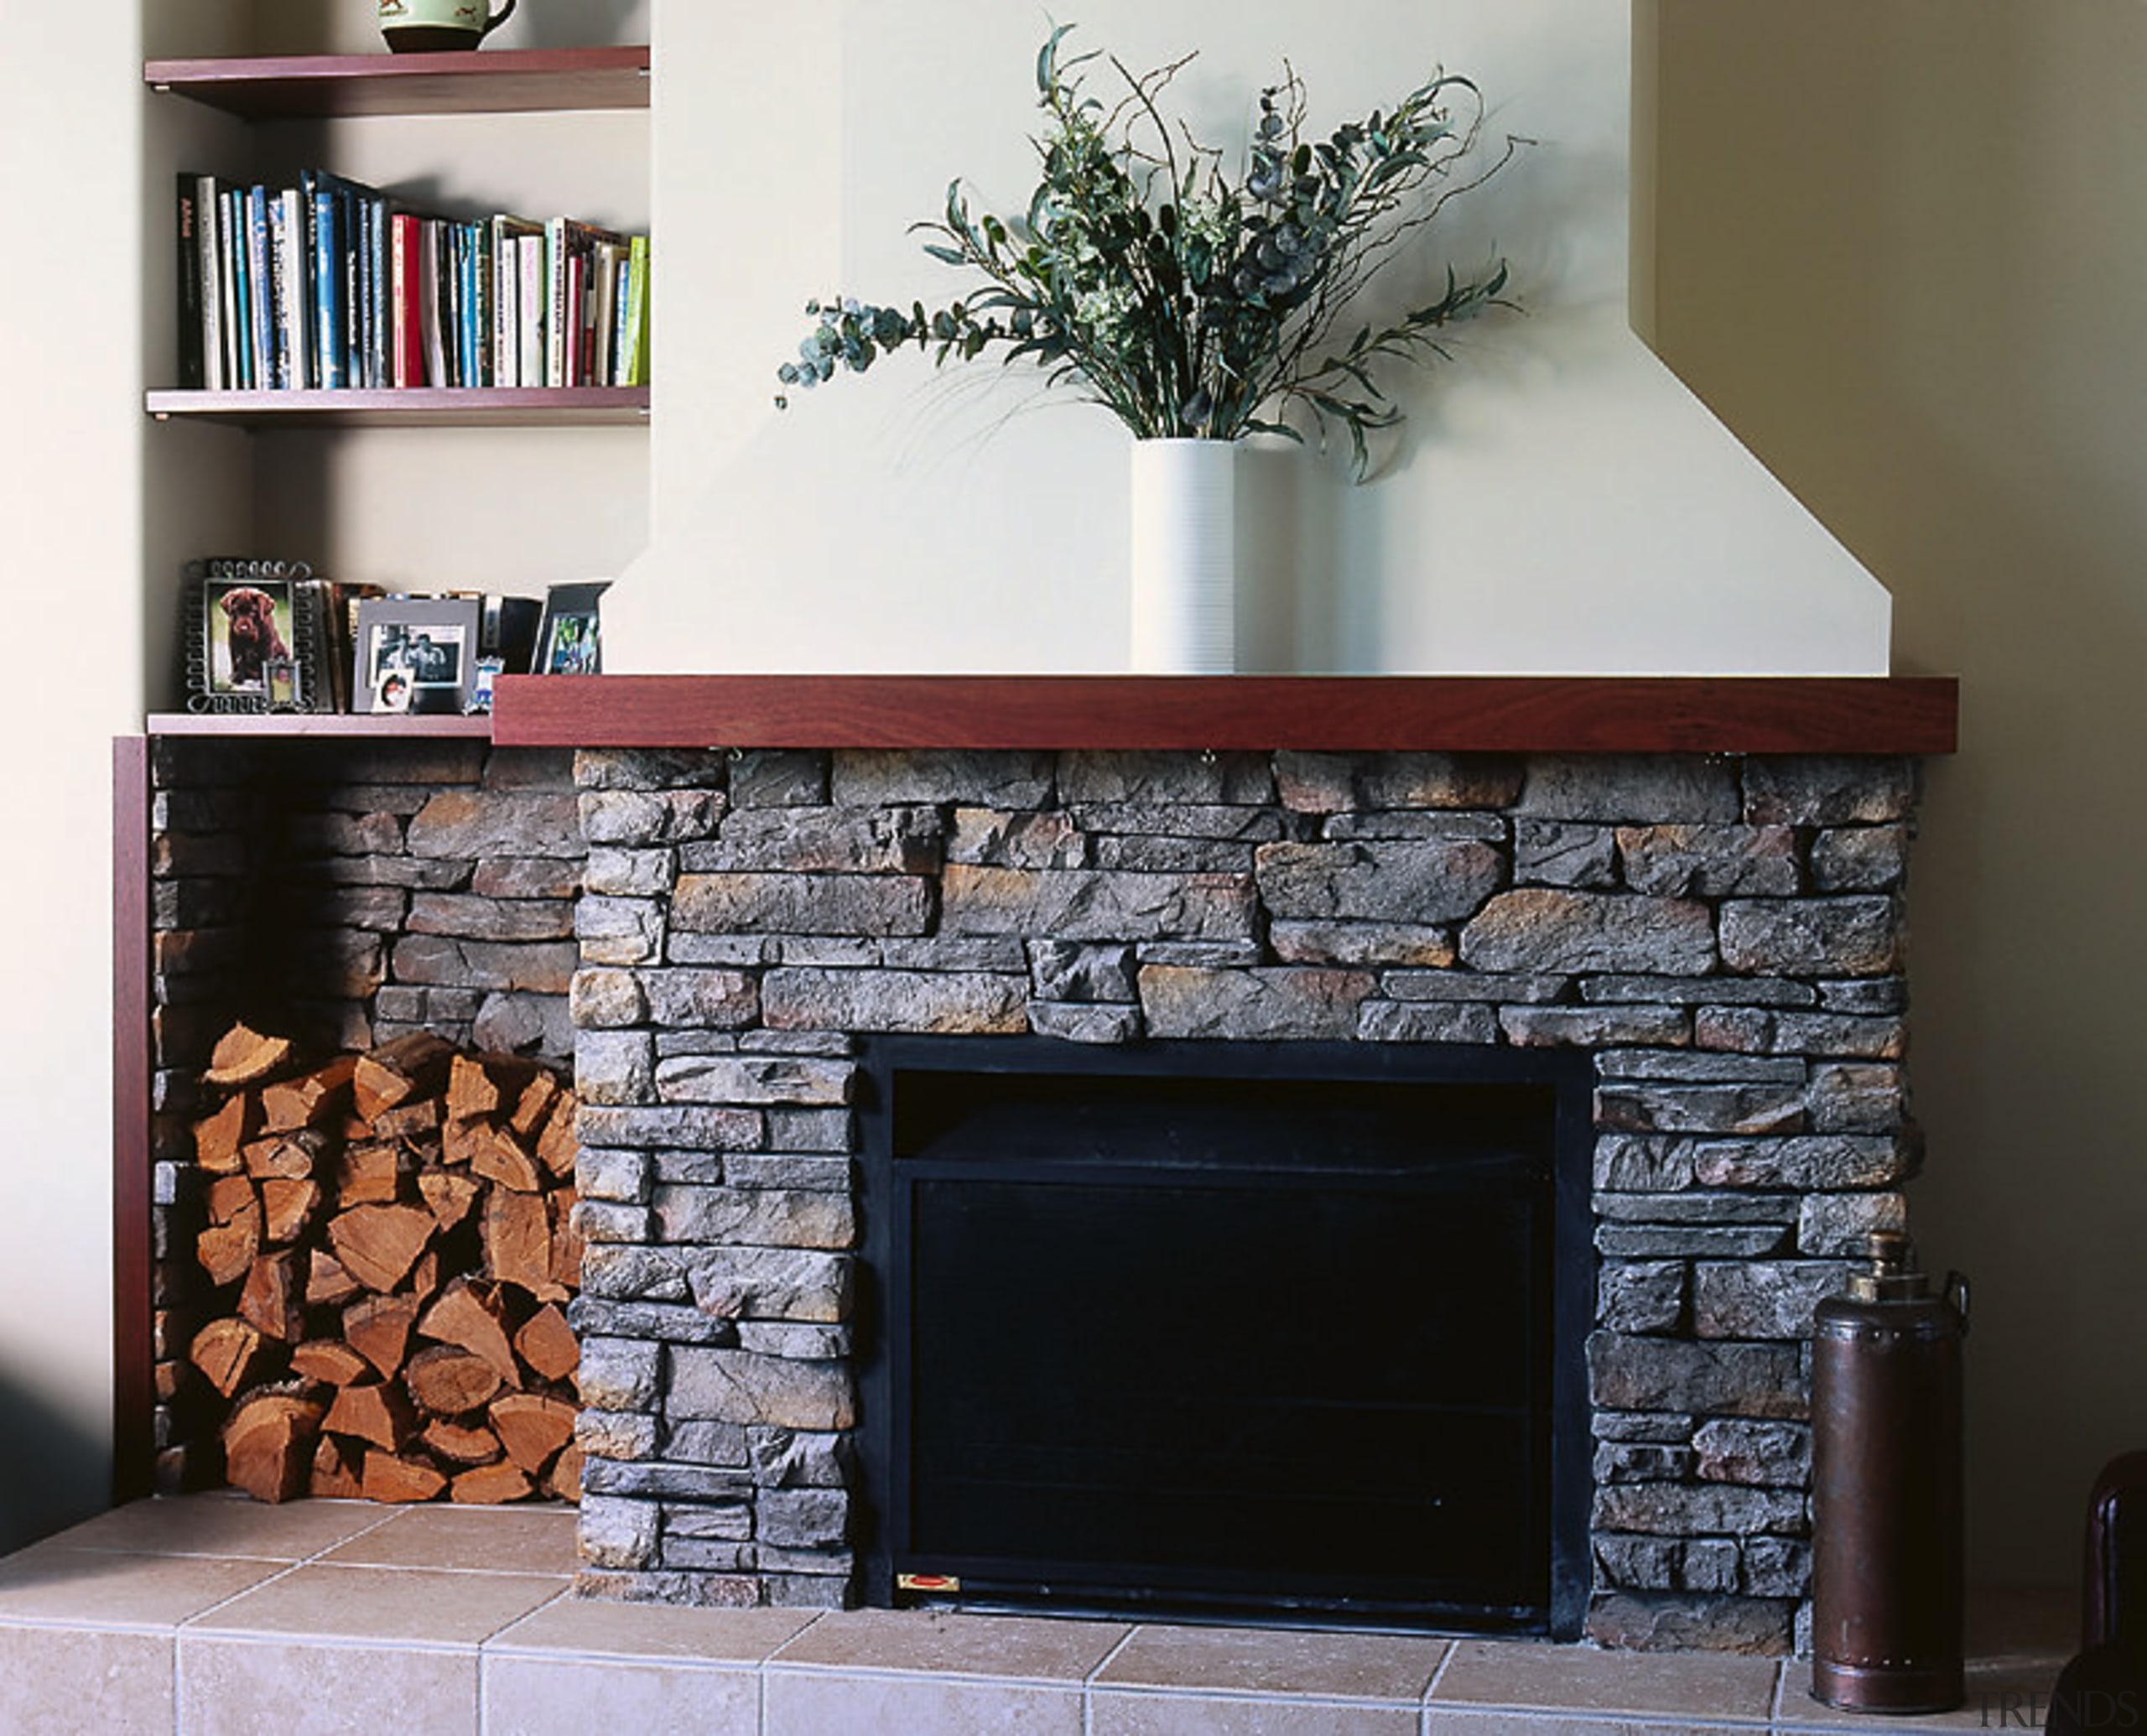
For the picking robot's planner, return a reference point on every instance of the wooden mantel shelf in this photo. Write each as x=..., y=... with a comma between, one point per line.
x=1898, y=714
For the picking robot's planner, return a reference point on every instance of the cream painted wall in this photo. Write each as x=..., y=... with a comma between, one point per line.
x=70, y=469
x=1900, y=251
x=1561, y=504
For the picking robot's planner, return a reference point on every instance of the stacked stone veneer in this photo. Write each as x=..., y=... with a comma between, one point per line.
x=1723, y=936
x=341, y=892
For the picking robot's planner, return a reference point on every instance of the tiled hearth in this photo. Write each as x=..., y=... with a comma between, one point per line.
x=208, y=1614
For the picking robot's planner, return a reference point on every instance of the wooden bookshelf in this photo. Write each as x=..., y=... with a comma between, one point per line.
x=479, y=81
x=411, y=406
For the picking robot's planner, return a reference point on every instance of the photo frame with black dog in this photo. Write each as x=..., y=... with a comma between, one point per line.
x=251, y=637
x=414, y=654
x=569, y=641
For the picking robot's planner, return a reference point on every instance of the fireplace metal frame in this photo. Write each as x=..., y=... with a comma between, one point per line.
x=1570, y=1075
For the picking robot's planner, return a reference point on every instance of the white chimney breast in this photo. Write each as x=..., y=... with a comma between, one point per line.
x=1559, y=504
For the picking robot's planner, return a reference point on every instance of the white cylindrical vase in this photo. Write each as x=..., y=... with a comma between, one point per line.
x=1184, y=557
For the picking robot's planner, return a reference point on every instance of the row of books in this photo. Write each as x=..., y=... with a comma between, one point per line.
x=333, y=283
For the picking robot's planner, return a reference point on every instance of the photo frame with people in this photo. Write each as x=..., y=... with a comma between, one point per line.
x=417, y=655
x=569, y=640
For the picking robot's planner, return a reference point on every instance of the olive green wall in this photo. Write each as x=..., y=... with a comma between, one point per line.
x=1901, y=247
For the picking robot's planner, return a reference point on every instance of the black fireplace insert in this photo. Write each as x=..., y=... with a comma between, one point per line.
x=1234, y=1331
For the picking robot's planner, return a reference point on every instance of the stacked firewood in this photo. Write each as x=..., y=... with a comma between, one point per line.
x=392, y=1240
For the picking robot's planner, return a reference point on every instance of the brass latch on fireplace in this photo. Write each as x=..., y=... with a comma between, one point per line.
x=927, y=1583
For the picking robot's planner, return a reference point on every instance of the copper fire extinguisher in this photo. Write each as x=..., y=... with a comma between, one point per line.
x=1887, y=1587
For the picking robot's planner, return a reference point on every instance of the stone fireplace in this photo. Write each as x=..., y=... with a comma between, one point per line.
x=1714, y=939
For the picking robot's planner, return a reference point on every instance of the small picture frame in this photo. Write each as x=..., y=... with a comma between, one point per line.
x=569, y=640
x=279, y=677
x=248, y=625
x=415, y=654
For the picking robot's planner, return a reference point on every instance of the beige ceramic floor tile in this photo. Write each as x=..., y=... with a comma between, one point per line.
x=600, y=1627
x=1023, y=1647
x=529, y=1695
x=116, y=1684
x=492, y=1540
x=225, y=1524
x=1337, y=1665
x=84, y=1587
x=1576, y=1678
x=814, y=1702
x=245, y=1687
x=418, y=1605
x=1134, y=1713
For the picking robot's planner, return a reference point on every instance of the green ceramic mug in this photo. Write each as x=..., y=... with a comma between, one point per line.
x=428, y=26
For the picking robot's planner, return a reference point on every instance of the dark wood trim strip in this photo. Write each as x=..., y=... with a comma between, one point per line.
x=1763, y=715
x=133, y=1348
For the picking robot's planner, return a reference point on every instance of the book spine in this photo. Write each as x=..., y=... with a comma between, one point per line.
x=213, y=378
x=530, y=252
x=238, y=339
x=327, y=289
x=298, y=336
x=366, y=374
x=555, y=302
x=187, y=332
x=484, y=338
x=409, y=368
x=347, y=246
x=260, y=288
x=637, y=369
x=428, y=308
x=499, y=269
x=381, y=355
x=279, y=300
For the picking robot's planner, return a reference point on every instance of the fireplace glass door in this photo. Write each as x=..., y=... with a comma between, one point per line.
x=1218, y=1330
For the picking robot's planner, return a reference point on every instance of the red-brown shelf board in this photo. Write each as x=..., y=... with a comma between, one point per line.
x=1848, y=715
x=414, y=406
x=268, y=725
x=479, y=81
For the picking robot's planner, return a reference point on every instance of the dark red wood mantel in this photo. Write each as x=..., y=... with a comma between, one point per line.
x=1461, y=714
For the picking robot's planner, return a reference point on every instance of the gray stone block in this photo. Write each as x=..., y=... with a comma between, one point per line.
x=861, y=905
x=1860, y=859
x=737, y=1387
x=639, y=820
x=1810, y=790
x=803, y=1518
x=1554, y=853
x=741, y=1283
x=615, y=1067
x=471, y=824
x=802, y=1079
x=630, y=873
x=543, y=968
x=618, y=1374
x=1857, y=936
x=1594, y=1027
x=1651, y=1374
x=785, y=1459
x=1421, y=884
x=716, y=1129
x=707, y=1443
x=950, y=1002
x=619, y=1177
x=1360, y=944
x=647, y=768
x=1821, y=1163
x=778, y=777
x=872, y=778
x=1643, y=1296
x=629, y=1273
x=992, y=837
x=1080, y=1022
x=1837, y=1224
x=1543, y=929
x=1648, y=1106
x=753, y=1217
x=1164, y=777
x=1777, y=1455
x=618, y=1533
x=1762, y=1299
x=1690, y=1510
x=1068, y=970
x=1630, y=788
x=1688, y=861
x=1295, y=1003
x=821, y=840
x=1088, y=904
x=620, y=931
x=603, y=999
x=616, y=1434
x=474, y=919
x=712, y=1000
x=1426, y=1021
